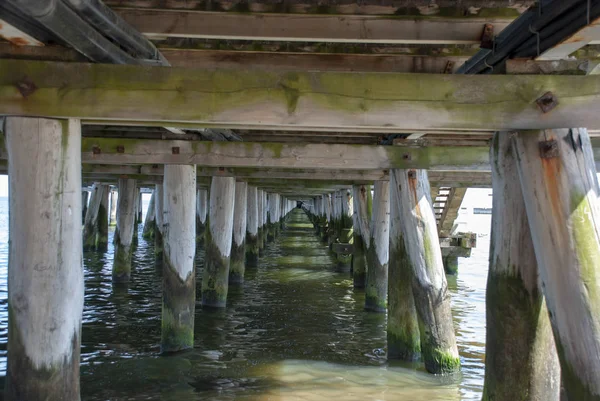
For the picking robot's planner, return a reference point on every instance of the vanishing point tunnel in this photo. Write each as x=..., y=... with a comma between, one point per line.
x=369, y=119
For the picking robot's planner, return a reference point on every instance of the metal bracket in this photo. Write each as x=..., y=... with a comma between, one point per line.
x=547, y=102
x=487, y=37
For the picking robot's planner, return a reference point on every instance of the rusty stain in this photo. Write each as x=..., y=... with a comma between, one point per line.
x=96, y=150
x=221, y=168
x=548, y=149
x=26, y=87
x=551, y=168
x=412, y=186
x=406, y=156
x=120, y=149
x=18, y=41
x=547, y=102
x=175, y=150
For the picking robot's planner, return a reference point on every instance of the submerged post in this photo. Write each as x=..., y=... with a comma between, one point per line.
x=261, y=227
x=102, y=221
x=219, y=230
x=45, y=274
x=560, y=189
x=150, y=221
x=85, y=196
x=378, y=252
x=201, y=209
x=238, y=247
x=252, y=239
x=91, y=226
x=345, y=222
x=424, y=256
x=159, y=221
x=403, y=334
x=124, y=235
x=520, y=352
x=363, y=202
x=179, y=276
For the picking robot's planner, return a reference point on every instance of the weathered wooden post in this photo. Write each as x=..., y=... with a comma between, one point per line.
x=45, y=273
x=252, y=227
x=238, y=246
x=113, y=208
x=121, y=272
x=363, y=203
x=219, y=230
x=521, y=357
x=91, y=224
x=403, y=334
x=140, y=207
x=85, y=196
x=102, y=221
x=260, y=196
x=345, y=230
x=326, y=218
x=134, y=239
x=159, y=221
x=150, y=221
x=430, y=289
x=378, y=251
x=201, y=209
x=272, y=217
x=560, y=189
x=179, y=276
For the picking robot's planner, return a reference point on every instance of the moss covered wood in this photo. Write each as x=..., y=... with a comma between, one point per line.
x=430, y=289
x=121, y=272
x=325, y=100
x=378, y=252
x=45, y=274
x=521, y=359
x=403, y=334
x=179, y=271
x=219, y=230
x=237, y=265
x=560, y=189
x=252, y=234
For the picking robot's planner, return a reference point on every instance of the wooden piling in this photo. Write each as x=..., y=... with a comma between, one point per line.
x=521, y=360
x=403, y=334
x=430, y=289
x=45, y=274
x=560, y=190
x=219, y=230
x=272, y=226
x=91, y=224
x=201, y=209
x=150, y=221
x=260, y=197
x=113, y=208
x=179, y=276
x=140, y=207
x=121, y=272
x=238, y=246
x=252, y=240
x=85, y=196
x=102, y=221
x=159, y=221
x=378, y=252
x=363, y=203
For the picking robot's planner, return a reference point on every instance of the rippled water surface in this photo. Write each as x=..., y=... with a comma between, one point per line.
x=296, y=330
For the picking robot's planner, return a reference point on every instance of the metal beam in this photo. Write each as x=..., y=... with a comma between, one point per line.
x=304, y=100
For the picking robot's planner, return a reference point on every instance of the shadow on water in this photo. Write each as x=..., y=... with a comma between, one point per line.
x=296, y=330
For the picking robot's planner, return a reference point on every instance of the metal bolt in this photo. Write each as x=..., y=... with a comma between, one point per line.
x=548, y=149
x=175, y=150
x=406, y=156
x=547, y=102
x=96, y=150
x=120, y=149
x=26, y=87
x=412, y=174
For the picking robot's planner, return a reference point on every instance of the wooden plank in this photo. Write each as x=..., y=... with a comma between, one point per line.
x=310, y=100
x=589, y=34
x=16, y=36
x=154, y=23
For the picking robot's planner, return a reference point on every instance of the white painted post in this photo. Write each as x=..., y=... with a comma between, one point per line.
x=252, y=233
x=215, y=280
x=238, y=247
x=179, y=272
x=520, y=353
x=560, y=189
x=378, y=251
x=45, y=273
x=124, y=237
x=430, y=289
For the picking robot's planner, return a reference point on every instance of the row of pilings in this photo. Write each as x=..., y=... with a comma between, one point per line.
x=543, y=297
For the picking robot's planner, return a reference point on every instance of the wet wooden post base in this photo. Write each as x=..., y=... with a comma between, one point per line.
x=271, y=217
x=85, y=196
x=378, y=252
x=261, y=227
x=326, y=218
x=403, y=334
x=424, y=256
x=134, y=238
x=201, y=210
x=237, y=265
x=560, y=189
x=252, y=227
x=363, y=203
x=521, y=360
x=159, y=222
x=45, y=275
x=90, y=225
x=219, y=230
x=140, y=208
x=179, y=275
x=102, y=221
x=113, y=208
x=346, y=228
x=121, y=272
x=150, y=221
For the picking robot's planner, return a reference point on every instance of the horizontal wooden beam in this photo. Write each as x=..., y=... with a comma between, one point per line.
x=155, y=23
x=294, y=100
x=589, y=34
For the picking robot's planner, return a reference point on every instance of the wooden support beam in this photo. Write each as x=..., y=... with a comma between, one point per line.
x=155, y=23
x=370, y=102
x=589, y=34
